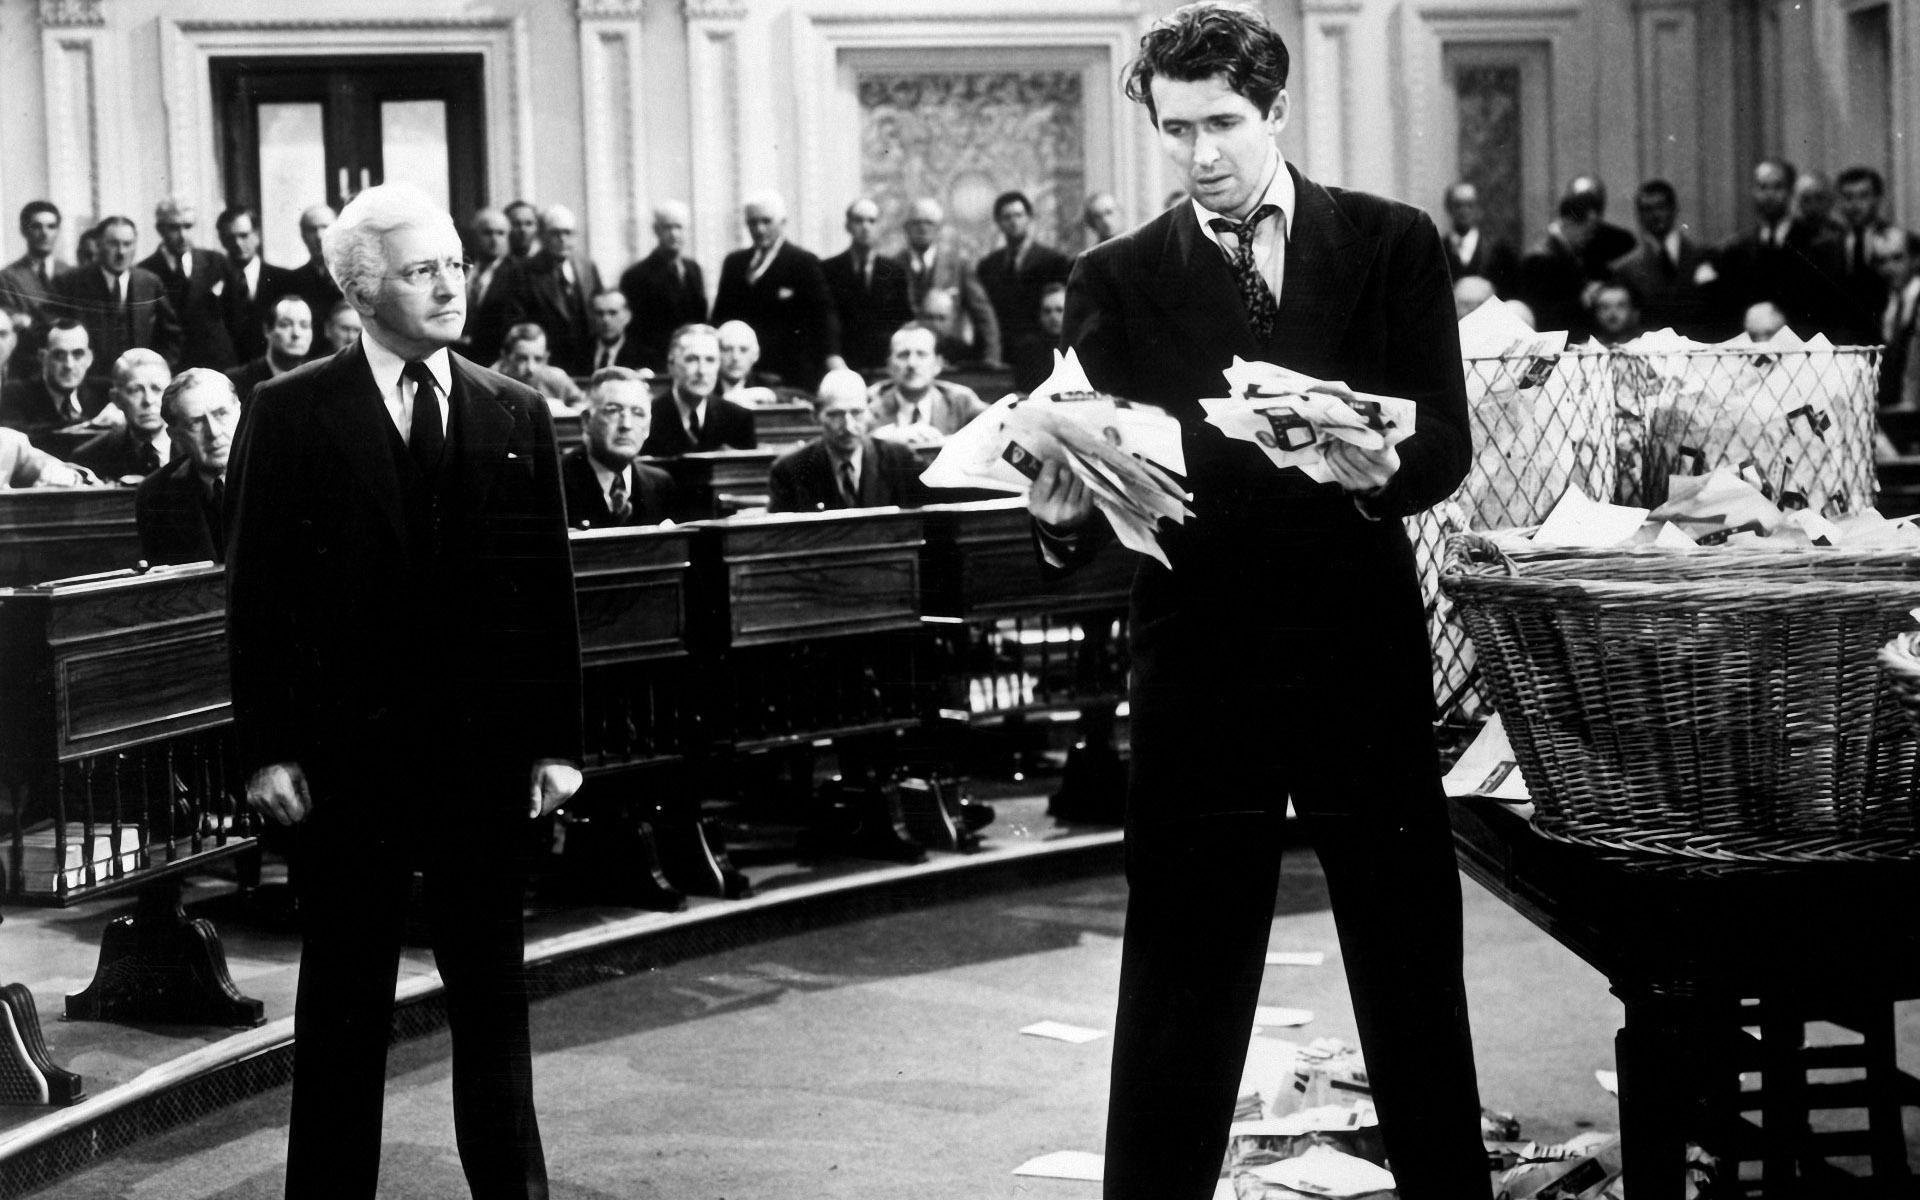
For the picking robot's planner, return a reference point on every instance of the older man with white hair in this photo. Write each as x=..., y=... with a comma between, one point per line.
x=844, y=467
x=199, y=284
x=554, y=289
x=933, y=268
x=781, y=291
x=665, y=289
x=142, y=445
x=406, y=689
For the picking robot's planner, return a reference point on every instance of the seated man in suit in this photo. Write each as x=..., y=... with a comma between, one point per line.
x=179, y=509
x=289, y=331
x=915, y=406
x=843, y=467
x=343, y=327
x=63, y=395
x=611, y=345
x=10, y=319
x=740, y=378
x=142, y=446
x=692, y=415
x=1035, y=363
x=605, y=487
x=523, y=356
x=1615, y=314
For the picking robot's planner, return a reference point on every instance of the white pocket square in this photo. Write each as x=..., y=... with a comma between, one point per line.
x=511, y=456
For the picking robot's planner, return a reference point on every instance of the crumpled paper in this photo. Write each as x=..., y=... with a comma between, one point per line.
x=1293, y=417
x=1125, y=454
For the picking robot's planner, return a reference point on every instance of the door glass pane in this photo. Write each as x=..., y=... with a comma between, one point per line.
x=293, y=176
x=413, y=145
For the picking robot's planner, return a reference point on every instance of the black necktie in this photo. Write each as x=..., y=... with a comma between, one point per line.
x=693, y=424
x=426, y=440
x=617, y=501
x=149, y=459
x=1262, y=309
x=1859, y=252
x=849, y=484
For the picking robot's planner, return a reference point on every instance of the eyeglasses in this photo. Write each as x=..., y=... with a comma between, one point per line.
x=422, y=274
x=632, y=412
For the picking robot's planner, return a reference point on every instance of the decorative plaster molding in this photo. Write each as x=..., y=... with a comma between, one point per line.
x=588, y=10
x=72, y=14
x=330, y=24
x=714, y=10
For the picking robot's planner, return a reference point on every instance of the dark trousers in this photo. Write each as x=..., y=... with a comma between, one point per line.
x=1205, y=834
x=352, y=884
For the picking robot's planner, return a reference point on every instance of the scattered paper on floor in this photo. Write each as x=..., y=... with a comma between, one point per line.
x=1324, y=1171
x=1273, y=1016
x=1060, y=1031
x=1296, y=958
x=1065, y=1164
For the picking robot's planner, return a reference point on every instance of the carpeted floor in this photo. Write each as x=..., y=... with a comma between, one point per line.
x=882, y=1058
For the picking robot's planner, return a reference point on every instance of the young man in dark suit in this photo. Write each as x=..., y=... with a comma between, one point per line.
x=843, y=467
x=64, y=393
x=179, y=508
x=869, y=291
x=779, y=289
x=121, y=305
x=665, y=289
x=289, y=336
x=613, y=342
x=199, y=286
x=692, y=415
x=1666, y=269
x=257, y=283
x=1016, y=274
x=1285, y=652
x=605, y=487
x=406, y=689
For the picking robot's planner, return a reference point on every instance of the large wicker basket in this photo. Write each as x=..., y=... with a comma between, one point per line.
x=1714, y=704
x=1900, y=660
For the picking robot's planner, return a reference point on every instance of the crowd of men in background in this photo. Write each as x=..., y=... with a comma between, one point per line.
x=1817, y=257
x=113, y=370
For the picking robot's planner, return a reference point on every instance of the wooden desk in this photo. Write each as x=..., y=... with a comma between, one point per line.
x=1682, y=945
x=784, y=424
x=715, y=483
x=57, y=533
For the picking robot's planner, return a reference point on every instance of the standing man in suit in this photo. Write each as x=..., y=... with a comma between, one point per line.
x=613, y=341
x=311, y=280
x=1285, y=652
x=552, y=289
x=257, y=283
x=843, y=467
x=605, y=487
x=523, y=228
x=869, y=291
x=665, y=289
x=1609, y=241
x=779, y=289
x=1553, y=276
x=1666, y=269
x=27, y=282
x=1778, y=259
x=143, y=444
x=934, y=267
x=180, y=509
x=487, y=247
x=1016, y=273
x=1471, y=250
x=199, y=286
x=406, y=689
x=289, y=337
x=1862, y=191
x=65, y=392
x=693, y=415
x=121, y=305
x=1893, y=255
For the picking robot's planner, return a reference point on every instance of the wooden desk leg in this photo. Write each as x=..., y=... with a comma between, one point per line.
x=158, y=966
x=1658, y=1080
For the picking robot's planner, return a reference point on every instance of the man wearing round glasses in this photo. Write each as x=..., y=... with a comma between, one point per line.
x=606, y=488
x=178, y=509
x=406, y=688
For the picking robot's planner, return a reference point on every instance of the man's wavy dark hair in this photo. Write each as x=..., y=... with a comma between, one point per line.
x=1199, y=41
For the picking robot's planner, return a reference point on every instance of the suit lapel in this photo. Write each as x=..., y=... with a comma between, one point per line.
x=353, y=413
x=1327, y=265
x=1197, y=288
x=485, y=424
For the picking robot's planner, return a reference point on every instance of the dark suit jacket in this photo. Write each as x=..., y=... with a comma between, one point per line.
x=630, y=354
x=1610, y=242
x=952, y=272
x=802, y=480
x=1667, y=293
x=250, y=309
x=1016, y=294
x=728, y=426
x=22, y=287
x=1550, y=282
x=1272, y=563
x=1863, y=292
x=788, y=306
x=250, y=375
x=351, y=651
x=1494, y=260
x=651, y=493
x=206, y=303
x=662, y=302
x=149, y=321
x=538, y=292
x=113, y=455
x=311, y=283
x=1793, y=276
x=869, y=311
x=27, y=404
x=176, y=517
x=487, y=312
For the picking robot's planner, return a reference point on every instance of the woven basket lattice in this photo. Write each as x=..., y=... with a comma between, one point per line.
x=1719, y=704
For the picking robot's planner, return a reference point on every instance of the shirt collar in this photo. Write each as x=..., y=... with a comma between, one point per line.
x=695, y=405
x=387, y=365
x=604, y=473
x=852, y=456
x=1278, y=191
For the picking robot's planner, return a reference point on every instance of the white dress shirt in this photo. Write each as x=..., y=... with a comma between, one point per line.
x=606, y=476
x=396, y=390
x=1270, y=239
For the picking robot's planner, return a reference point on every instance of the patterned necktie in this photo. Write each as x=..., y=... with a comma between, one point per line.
x=617, y=502
x=1262, y=310
x=849, y=484
x=426, y=440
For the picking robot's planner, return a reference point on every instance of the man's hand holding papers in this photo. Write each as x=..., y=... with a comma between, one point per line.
x=1327, y=430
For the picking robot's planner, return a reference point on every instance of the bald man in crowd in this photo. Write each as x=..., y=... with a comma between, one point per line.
x=554, y=289
x=780, y=290
x=665, y=289
x=935, y=267
x=869, y=290
x=844, y=467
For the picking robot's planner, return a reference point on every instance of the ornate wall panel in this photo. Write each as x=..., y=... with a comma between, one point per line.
x=964, y=137
x=1488, y=102
x=610, y=37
